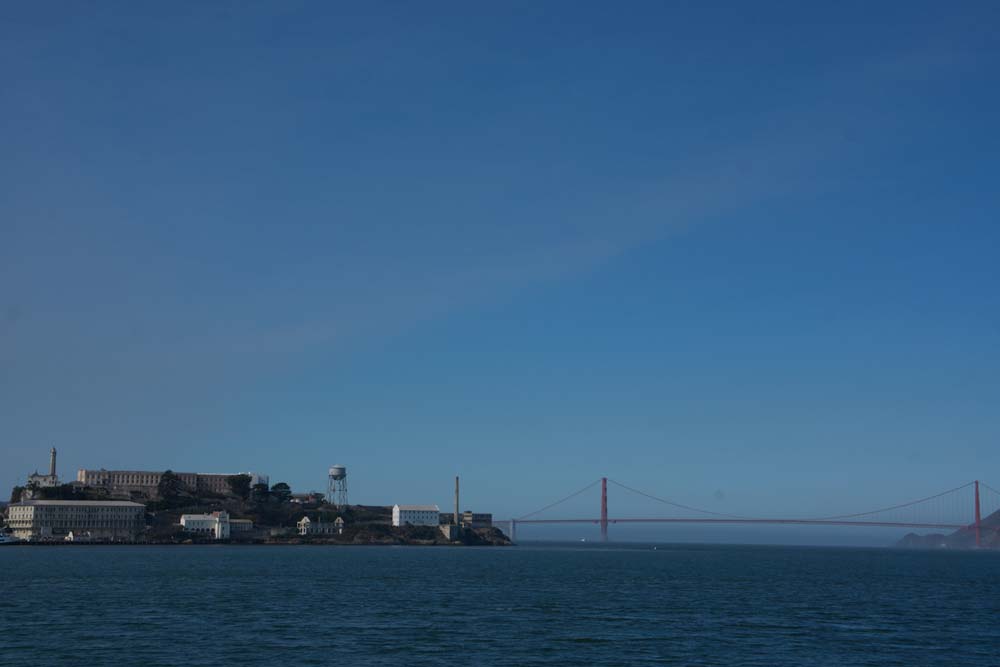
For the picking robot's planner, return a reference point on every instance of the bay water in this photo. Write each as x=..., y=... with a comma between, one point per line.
x=546, y=604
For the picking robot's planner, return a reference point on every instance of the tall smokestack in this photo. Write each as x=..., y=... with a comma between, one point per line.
x=52, y=462
x=456, y=500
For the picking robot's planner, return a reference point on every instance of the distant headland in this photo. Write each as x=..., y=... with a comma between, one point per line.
x=963, y=538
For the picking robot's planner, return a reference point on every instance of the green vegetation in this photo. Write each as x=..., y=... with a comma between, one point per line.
x=240, y=485
x=281, y=492
x=62, y=492
x=172, y=492
x=170, y=486
x=260, y=493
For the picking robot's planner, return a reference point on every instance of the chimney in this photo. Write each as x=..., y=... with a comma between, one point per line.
x=52, y=462
x=456, y=500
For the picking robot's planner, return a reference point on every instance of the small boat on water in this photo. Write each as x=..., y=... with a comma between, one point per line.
x=6, y=538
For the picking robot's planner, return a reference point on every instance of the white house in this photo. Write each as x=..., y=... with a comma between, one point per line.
x=215, y=524
x=309, y=526
x=416, y=515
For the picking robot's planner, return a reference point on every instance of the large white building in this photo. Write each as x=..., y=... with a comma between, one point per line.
x=104, y=520
x=215, y=524
x=416, y=515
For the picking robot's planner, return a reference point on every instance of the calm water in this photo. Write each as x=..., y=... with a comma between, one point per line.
x=519, y=606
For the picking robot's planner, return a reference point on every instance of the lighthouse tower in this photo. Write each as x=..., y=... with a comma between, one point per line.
x=36, y=480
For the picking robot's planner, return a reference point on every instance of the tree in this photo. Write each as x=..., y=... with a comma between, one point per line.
x=240, y=485
x=260, y=493
x=15, y=494
x=170, y=486
x=281, y=492
x=61, y=492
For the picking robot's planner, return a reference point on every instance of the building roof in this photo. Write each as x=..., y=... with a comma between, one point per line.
x=156, y=472
x=81, y=503
x=419, y=508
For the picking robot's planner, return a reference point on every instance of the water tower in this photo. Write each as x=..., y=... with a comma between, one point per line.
x=336, y=490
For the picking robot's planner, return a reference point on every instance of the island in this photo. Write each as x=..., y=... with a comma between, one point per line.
x=241, y=513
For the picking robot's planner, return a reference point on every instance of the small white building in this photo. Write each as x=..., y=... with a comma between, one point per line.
x=308, y=526
x=416, y=515
x=476, y=519
x=79, y=537
x=215, y=524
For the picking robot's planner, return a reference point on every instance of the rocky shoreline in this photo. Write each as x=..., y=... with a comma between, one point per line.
x=408, y=536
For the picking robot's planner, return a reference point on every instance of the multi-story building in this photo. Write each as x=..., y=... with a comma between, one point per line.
x=215, y=524
x=146, y=483
x=415, y=515
x=102, y=520
x=240, y=526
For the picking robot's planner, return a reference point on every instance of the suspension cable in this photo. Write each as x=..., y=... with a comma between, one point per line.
x=668, y=502
x=825, y=518
x=558, y=502
x=894, y=507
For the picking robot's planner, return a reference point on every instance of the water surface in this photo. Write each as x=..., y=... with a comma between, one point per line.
x=544, y=605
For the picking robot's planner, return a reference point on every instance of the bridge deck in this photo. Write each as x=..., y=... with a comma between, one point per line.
x=796, y=522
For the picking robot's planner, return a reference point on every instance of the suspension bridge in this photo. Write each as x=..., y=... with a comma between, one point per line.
x=960, y=508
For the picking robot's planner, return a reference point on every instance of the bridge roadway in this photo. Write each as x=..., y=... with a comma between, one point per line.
x=857, y=519
x=797, y=522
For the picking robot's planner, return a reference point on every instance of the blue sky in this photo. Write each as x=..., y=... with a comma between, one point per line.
x=739, y=256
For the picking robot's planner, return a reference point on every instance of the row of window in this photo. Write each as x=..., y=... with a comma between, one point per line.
x=90, y=521
x=25, y=523
x=72, y=515
x=100, y=511
x=200, y=480
x=123, y=479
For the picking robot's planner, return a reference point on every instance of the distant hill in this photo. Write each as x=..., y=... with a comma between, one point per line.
x=963, y=538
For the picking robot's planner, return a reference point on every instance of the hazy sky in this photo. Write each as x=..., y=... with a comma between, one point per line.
x=744, y=256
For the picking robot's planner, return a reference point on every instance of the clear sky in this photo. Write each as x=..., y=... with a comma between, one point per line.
x=743, y=255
